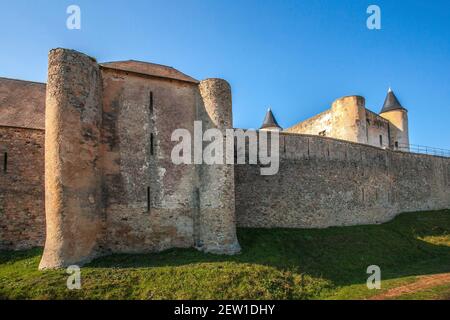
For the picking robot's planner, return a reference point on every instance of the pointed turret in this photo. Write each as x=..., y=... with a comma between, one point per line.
x=270, y=123
x=391, y=102
x=398, y=122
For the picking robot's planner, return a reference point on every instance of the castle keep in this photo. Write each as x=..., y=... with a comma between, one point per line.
x=101, y=160
x=348, y=119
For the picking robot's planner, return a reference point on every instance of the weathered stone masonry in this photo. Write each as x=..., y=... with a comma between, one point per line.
x=325, y=182
x=22, y=218
x=110, y=184
x=73, y=116
x=348, y=119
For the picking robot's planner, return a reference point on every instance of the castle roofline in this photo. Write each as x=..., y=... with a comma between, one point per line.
x=391, y=103
x=351, y=96
x=270, y=121
x=21, y=80
x=150, y=69
x=22, y=103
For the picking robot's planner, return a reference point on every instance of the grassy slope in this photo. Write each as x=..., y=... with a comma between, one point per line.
x=275, y=264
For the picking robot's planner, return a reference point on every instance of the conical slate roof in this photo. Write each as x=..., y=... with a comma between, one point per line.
x=270, y=121
x=391, y=102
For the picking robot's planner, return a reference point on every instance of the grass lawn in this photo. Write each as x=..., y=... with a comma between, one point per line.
x=274, y=264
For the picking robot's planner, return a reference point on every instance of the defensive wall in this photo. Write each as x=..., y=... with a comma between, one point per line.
x=325, y=182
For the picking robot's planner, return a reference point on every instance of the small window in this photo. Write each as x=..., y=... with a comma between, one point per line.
x=152, y=144
x=323, y=133
x=5, y=162
x=396, y=144
x=151, y=102
x=197, y=197
x=148, y=199
x=381, y=140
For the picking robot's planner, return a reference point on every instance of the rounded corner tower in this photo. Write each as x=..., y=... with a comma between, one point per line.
x=216, y=181
x=349, y=118
x=72, y=184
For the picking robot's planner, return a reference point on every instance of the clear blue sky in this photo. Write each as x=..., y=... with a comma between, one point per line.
x=296, y=56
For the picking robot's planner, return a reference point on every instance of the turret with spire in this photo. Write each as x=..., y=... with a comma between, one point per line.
x=398, y=117
x=270, y=123
x=391, y=102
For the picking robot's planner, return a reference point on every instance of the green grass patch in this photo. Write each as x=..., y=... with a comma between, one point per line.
x=274, y=264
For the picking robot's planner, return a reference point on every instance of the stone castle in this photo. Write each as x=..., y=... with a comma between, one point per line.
x=348, y=119
x=91, y=149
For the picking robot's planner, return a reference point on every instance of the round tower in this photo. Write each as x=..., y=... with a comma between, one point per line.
x=216, y=186
x=397, y=116
x=349, y=119
x=73, y=118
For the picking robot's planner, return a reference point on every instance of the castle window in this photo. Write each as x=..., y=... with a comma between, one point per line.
x=381, y=140
x=148, y=199
x=151, y=144
x=151, y=102
x=5, y=161
x=323, y=133
x=396, y=144
x=197, y=197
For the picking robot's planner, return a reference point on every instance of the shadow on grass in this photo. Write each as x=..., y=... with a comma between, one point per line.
x=15, y=256
x=338, y=254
